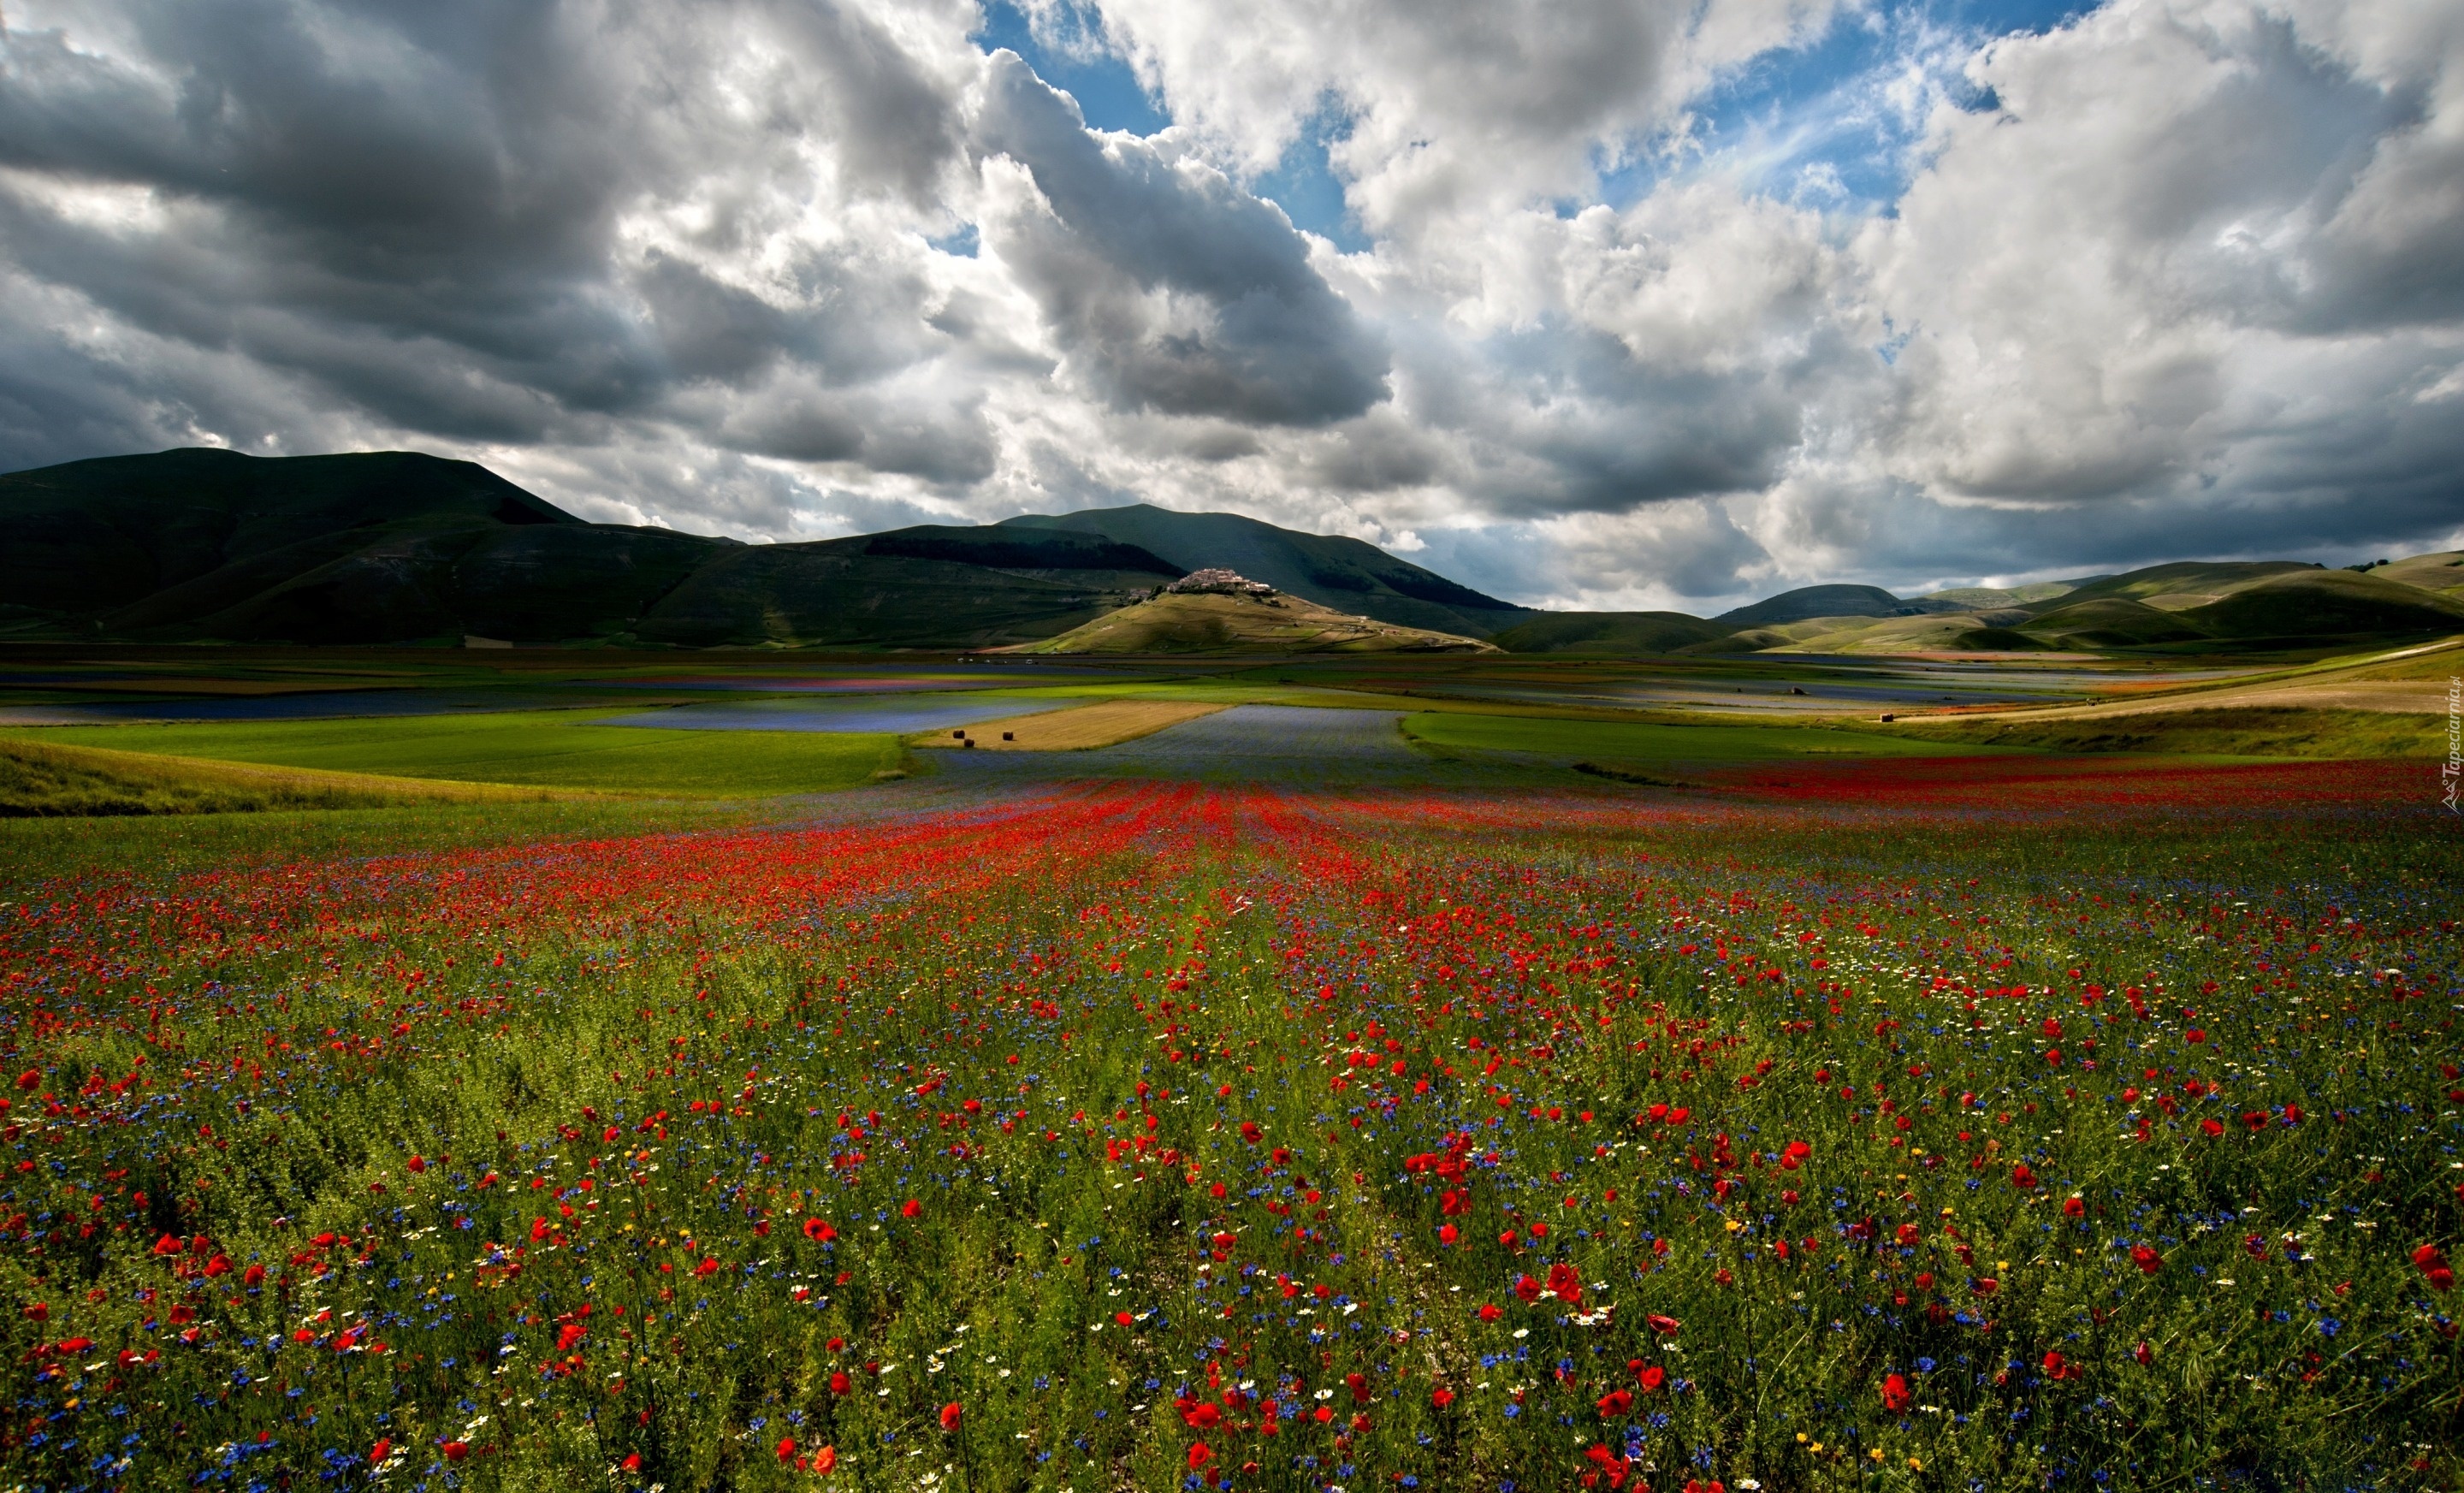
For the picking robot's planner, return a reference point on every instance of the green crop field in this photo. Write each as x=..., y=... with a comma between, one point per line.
x=551, y=748
x=1645, y=742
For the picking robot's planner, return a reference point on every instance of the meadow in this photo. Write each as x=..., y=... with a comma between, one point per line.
x=1433, y=1094
x=567, y=749
x=1913, y=1132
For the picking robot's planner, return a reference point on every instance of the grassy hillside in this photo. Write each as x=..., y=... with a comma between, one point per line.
x=1977, y=597
x=1233, y=625
x=2443, y=571
x=2327, y=603
x=2181, y=585
x=91, y=535
x=2109, y=622
x=1608, y=633
x=1806, y=603
x=394, y=547
x=1341, y=573
x=840, y=594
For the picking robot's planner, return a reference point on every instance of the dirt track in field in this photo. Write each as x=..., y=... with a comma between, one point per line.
x=1106, y=723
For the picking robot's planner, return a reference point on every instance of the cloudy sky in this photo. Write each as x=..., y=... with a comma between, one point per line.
x=1606, y=303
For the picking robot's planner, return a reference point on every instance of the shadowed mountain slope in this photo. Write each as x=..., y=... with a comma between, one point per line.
x=1348, y=575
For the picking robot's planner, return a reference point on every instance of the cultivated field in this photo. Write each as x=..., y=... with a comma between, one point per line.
x=1437, y=1093
x=1074, y=730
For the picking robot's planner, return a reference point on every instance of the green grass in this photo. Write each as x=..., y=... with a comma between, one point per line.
x=2221, y=731
x=1654, y=742
x=35, y=850
x=546, y=748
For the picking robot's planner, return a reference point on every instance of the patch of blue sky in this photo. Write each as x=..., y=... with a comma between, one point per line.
x=1305, y=186
x=1067, y=48
x=1065, y=45
x=1834, y=123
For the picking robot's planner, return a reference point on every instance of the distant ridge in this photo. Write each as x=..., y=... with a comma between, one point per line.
x=1348, y=575
x=205, y=545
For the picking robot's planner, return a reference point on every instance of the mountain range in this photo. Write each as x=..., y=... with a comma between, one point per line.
x=397, y=547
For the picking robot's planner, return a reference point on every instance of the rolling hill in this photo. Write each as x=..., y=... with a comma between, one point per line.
x=398, y=547
x=1246, y=624
x=1345, y=574
x=211, y=545
x=207, y=545
x=1607, y=633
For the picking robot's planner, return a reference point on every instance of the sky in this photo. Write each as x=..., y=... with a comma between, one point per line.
x=1602, y=304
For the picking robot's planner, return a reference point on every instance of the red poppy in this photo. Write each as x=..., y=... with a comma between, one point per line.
x=911, y=1208
x=2146, y=1258
x=819, y=1231
x=1489, y=1311
x=1616, y=1403
x=2075, y=1206
x=1665, y=1327
x=1651, y=1378
x=455, y=1451
x=417, y=1163
x=786, y=1448
x=1199, y=1455
x=2433, y=1267
x=377, y=1453
x=949, y=1413
x=1442, y=1399
x=1896, y=1394
x=826, y=1460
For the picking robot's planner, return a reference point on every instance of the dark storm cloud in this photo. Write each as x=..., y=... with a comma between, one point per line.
x=1247, y=330
x=413, y=212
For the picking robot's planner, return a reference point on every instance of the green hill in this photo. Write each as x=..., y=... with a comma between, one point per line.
x=2177, y=586
x=1609, y=633
x=208, y=545
x=2443, y=571
x=2327, y=605
x=1239, y=625
x=1345, y=574
x=2109, y=622
x=91, y=536
x=1807, y=602
x=396, y=546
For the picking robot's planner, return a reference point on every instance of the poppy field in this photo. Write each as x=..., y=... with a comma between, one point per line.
x=1964, y=1123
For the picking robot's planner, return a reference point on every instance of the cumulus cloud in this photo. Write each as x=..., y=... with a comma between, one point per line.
x=1176, y=290
x=2176, y=277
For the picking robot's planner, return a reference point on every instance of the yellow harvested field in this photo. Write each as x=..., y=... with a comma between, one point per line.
x=1099, y=725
